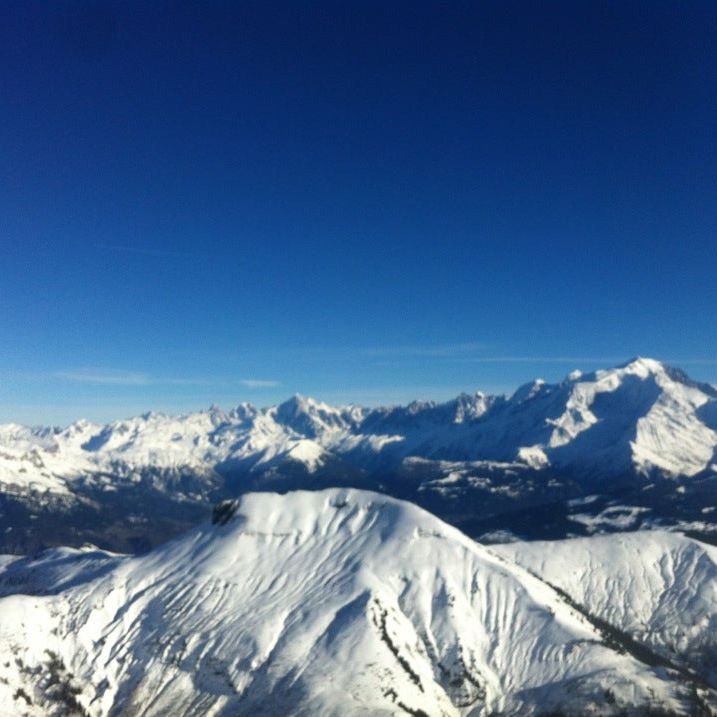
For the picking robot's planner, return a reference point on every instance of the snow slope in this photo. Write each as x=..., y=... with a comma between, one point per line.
x=336, y=602
x=660, y=587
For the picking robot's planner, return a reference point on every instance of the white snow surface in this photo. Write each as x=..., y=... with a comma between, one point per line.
x=659, y=586
x=338, y=602
x=642, y=416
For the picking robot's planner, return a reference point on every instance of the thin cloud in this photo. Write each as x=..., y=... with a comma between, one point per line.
x=189, y=381
x=604, y=361
x=258, y=383
x=430, y=350
x=105, y=376
x=119, y=377
x=543, y=359
x=693, y=361
x=341, y=352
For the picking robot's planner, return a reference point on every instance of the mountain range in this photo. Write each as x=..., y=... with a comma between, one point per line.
x=626, y=447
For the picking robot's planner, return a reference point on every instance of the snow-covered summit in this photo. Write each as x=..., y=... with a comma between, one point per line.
x=338, y=602
x=312, y=418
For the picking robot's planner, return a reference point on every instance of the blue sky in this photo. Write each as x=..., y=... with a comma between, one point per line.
x=215, y=202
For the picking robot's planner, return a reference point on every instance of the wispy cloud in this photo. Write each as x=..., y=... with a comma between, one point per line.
x=603, y=361
x=189, y=381
x=430, y=350
x=606, y=360
x=258, y=383
x=104, y=376
x=692, y=361
x=120, y=377
x=339, y=352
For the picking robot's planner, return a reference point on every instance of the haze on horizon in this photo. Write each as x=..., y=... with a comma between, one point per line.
x=224, y=202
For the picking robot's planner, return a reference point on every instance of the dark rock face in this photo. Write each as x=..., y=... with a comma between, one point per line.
x=223, y=512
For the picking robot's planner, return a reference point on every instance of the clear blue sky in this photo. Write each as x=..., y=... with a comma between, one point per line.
x=224, y=201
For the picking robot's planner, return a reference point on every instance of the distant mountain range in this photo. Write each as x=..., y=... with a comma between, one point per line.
x=346, y=602
x=630, y=446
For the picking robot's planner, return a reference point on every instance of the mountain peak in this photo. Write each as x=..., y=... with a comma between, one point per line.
x=643, y=365
x=528, y=390
x=243, y=411
x=298, y=403
x=308, y=416
x=327, y=602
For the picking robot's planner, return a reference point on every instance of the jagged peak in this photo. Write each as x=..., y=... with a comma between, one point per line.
x=308, y=416
x=418, y=405
x=79, y=426
x=299, y=403
x=242, y=411
x=528, y=390
x=642, y=364
x=647, y=367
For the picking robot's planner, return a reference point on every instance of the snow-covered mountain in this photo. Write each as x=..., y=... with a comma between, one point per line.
x=659, y=587
x=612, y=430
x=344, y=602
